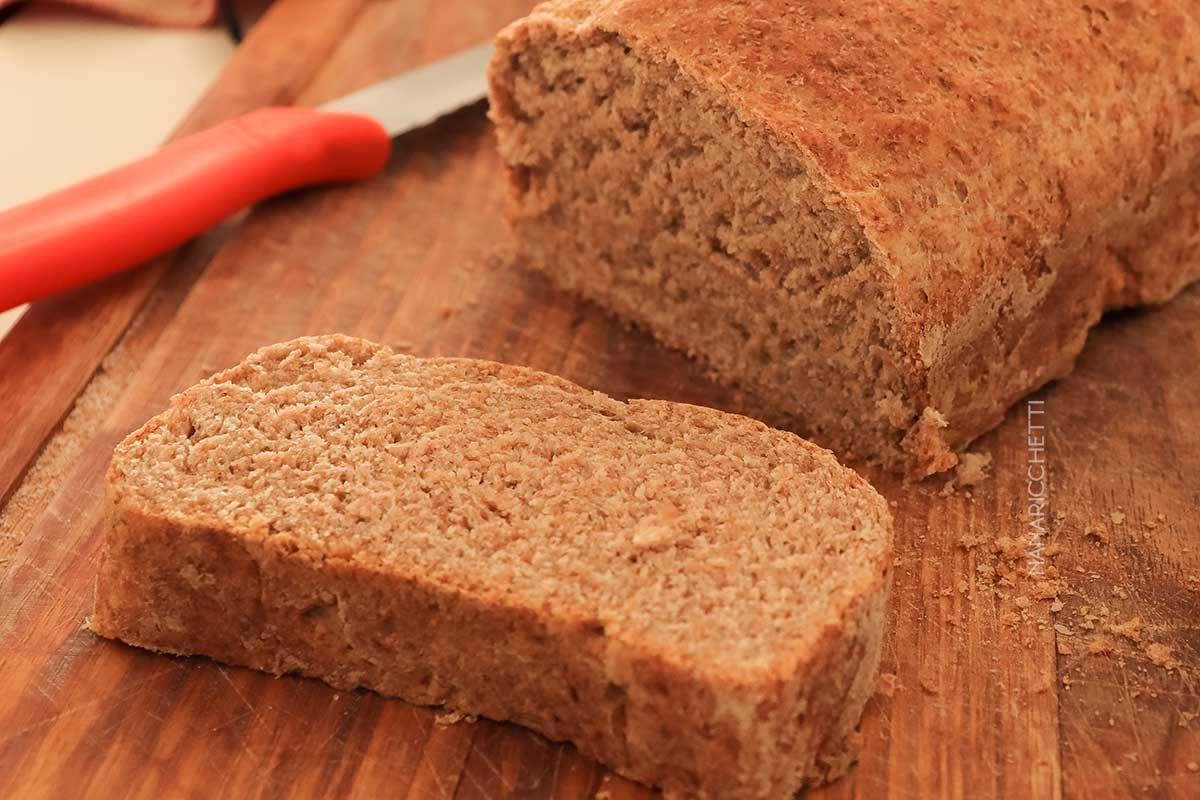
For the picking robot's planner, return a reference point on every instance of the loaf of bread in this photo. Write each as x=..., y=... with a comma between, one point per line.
x=689, y=596
x=886, y=221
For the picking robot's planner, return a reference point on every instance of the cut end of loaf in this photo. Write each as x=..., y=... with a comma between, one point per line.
x=690, y=596
x=638, y=187
x=855, y=221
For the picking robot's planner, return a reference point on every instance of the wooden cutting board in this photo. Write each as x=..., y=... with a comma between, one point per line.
x=996, y=684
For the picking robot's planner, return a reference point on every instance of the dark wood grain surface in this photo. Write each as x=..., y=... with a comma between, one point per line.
x=1078, y=682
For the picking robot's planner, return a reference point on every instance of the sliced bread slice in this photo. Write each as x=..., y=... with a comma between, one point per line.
x=689, y=596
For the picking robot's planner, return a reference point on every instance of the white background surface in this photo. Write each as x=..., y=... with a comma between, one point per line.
x=80, y=94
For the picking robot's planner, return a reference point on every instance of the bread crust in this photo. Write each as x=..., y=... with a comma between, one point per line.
x=258, y=595
x=1017, y=167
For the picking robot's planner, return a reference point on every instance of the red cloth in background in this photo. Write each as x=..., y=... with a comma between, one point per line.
x=174, y=13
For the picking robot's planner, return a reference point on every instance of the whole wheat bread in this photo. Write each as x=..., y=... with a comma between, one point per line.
x=691, y=597
x=888, y=221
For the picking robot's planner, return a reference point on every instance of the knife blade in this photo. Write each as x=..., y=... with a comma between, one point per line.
x=418, y=97
x=122, y=218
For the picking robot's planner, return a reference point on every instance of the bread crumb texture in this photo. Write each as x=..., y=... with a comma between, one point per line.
x=690, y=596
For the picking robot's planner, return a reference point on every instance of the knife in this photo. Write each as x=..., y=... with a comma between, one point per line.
x=124, y=217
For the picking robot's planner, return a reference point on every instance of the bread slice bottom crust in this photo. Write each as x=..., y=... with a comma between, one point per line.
x=254, y=600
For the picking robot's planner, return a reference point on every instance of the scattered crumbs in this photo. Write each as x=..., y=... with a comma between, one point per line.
x=1022, y=602
x=887, y=684
x=1010, y=548
x=1063, y=649
x=972, y=468
x=962, y=586
x=947, y=489
x=1066, y=681
x=897, y=561
x=1130, y=629
x=1063, y=630
x=1098, y=532
x=1101, y=645
x=1121, y=593
x=1117, y=517
x=1150, y=524
x=449, y=718
x=1056, y=606
x=1048, y=590
x=1160, y=654
x=967, y=541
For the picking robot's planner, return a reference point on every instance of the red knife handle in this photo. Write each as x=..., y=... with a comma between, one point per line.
x=124, y=217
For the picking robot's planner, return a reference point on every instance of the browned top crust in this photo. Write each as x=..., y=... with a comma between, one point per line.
x=704, y=538
x=979, y=142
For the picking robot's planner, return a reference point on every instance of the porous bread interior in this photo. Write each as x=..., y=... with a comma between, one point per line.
x=714, y=541
x=645, y=192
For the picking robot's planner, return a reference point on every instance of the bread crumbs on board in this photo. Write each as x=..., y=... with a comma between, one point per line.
x=1097, y=531
x=1131, y=629
x=972, y=468
x=969, y=540
x=448, y=718
x=1160, y=655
